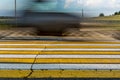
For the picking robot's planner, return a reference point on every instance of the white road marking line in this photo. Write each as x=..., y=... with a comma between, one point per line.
x=14, y=66
x=60, y=56
x=59, y=44
x=60, y=66
x=77, y=66
x=61, y=49
x=78, y=56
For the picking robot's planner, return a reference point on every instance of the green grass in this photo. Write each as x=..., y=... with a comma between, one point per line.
x=110, y=25
x=117, y=17
x=5, y=26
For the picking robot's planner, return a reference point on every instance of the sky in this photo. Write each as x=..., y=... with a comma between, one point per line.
x=92, y=7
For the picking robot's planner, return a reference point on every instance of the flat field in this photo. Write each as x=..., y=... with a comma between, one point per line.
x=115, y=18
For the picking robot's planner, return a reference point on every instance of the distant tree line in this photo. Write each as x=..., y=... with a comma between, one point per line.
x=101, y=15
x=6, y=17
x=117, y=13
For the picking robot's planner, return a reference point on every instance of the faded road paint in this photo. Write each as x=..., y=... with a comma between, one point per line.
x=60, y=74
x=58, y=59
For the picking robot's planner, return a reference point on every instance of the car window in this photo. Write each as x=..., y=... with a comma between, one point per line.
x=44, y=6
x=53, y=6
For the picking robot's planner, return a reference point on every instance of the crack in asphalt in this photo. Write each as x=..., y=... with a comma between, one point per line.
x=31, y=68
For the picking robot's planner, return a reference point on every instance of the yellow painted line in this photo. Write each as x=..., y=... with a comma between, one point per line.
x=54, y=42
x=84, y=61
x=10, y=60
x=60, y=74
x=59, y=52
x=75, y=74
x=14, y=73
x=62, y=61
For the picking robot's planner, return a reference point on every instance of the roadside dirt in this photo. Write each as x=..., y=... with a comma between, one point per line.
x=96, y=34
x=84, y=33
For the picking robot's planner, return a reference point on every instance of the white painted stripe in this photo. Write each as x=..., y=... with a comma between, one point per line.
x=78, y=56
x=60, y=56
x=61, y=49
x=77, y=66
x=60, y=66
x=59, y=44
x=14, y=66
x=23, y=49
x=17, y=56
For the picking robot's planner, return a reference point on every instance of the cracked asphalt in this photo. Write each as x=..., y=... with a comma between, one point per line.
x=59, y=59
x=84, y=53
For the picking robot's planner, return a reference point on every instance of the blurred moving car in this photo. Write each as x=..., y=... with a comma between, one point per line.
x=49, y=16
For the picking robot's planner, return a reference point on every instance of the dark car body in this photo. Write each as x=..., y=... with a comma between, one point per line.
x=48, y=16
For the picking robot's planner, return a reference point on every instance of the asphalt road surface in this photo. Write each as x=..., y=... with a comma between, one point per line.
x=59, y=59
x=85, y=53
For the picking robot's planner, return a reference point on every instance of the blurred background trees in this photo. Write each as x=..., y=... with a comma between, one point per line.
x=101, y=15
x=117, y=13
